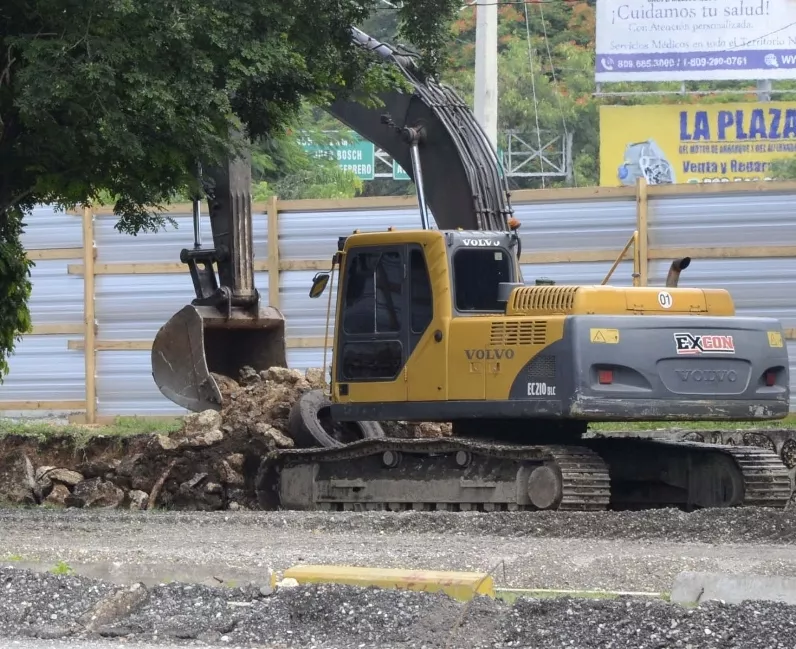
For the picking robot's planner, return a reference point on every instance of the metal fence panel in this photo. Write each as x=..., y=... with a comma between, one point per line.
x=576, y=225
x=46, y=228
x=314, y=235
x=133, y=307
x=165, y=245
x=43, y=369
x=713, y=220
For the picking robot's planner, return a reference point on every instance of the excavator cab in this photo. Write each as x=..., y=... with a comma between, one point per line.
x=226, y=327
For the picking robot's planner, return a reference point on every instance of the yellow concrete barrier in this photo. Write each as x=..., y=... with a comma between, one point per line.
x=459, y=585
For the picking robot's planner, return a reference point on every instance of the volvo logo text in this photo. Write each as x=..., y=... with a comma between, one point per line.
x=708, y=376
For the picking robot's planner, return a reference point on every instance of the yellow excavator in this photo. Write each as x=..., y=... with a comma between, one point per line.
x=437, y=324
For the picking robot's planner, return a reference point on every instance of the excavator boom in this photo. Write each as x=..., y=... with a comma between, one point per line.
x=226, y=327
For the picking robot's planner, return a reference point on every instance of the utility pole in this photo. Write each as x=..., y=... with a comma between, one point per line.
x=486, y=68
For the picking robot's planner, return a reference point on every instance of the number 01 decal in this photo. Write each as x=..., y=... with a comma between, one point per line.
x=665, y=299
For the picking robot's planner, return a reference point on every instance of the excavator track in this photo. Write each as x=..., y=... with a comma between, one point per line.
x=693, y=474
x=466, y=475
x=435, y=474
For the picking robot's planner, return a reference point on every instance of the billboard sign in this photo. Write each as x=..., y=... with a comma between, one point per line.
x=699, y=40
x=669, y=144
x=353, y=154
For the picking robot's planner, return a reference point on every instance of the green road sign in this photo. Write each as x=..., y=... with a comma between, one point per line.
x=398, y=172
x=358, y=156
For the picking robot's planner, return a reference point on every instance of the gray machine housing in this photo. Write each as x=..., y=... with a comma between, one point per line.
x=659, y=370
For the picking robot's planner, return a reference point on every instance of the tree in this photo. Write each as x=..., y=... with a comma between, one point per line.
x=123, y=97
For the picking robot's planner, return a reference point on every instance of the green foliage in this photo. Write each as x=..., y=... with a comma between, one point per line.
x=116, y=101
x=15, y=287
x=62, y=568
x=784, y=168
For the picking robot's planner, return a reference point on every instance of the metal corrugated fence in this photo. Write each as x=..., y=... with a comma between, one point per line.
x=49, y=366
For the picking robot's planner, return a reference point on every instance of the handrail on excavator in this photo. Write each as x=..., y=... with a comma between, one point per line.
x=633, y=241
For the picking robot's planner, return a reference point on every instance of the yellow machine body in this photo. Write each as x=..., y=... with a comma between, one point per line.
x=478, y=356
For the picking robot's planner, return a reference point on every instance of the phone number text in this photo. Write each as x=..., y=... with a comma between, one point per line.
x=685, y=62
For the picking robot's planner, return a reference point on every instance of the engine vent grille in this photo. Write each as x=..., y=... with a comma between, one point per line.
x=543, y=299
x=542, y=368
x=529, y=332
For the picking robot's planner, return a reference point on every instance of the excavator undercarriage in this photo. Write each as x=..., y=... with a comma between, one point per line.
x=463, y=474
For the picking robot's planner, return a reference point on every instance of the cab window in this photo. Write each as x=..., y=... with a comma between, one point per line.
x=477, y=272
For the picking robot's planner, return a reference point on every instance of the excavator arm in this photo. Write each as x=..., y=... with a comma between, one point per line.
x=460, y=179
x=429, y=131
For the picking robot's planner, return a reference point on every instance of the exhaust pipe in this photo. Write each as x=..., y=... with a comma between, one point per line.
x=678, y=265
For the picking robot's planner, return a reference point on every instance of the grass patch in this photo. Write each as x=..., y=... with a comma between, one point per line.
x=788, y=422
x=121, y=427
x=62, y=568
x=131, y=426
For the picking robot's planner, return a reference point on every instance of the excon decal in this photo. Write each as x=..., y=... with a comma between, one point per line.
x=489, y=354
x=694, y=344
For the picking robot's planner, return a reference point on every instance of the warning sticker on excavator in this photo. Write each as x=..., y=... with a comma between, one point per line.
x=607, y=336
x=775, y=339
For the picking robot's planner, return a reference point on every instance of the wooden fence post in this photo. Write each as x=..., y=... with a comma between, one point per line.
x=89, y=349
x=642, y=206
x=273, y=252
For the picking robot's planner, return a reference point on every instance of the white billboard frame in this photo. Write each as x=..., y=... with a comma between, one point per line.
x=695, y=40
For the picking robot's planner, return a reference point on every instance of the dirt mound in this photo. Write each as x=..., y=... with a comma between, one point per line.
x=210, y=463
x=265, y=399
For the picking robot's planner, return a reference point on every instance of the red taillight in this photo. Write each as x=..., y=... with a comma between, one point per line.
x=605, y=377
x=771, y=378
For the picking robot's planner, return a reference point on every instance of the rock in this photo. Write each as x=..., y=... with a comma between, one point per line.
x=195, y=480
x=228, y=476
x=167, y=443
x=64, y=476
x=248, y=376
x=314, y=376
x=95, y=493
x=115, y=606
x=42, y=481
x=203, y=440
x=213, y=488
x=273, y=436
x=138, y=499
x=18, y=480
x=42, y=471
x=288, y=582
x=201, y=422
x=58, y=495
x=236, y=461
x=99, y=467
x=282, y=375
x=127, y=467
x=426, y=429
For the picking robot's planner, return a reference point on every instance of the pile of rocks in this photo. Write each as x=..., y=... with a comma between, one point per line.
x=210, y=463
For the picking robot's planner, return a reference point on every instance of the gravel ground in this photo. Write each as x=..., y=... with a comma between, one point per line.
x=347, y=617
x=741, y=525
x=641, y=551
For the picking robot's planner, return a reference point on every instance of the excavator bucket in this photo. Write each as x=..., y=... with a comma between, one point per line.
x=199, y=341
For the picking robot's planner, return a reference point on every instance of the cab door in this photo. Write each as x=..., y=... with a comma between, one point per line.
x=373, y=331
x=426, y=365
